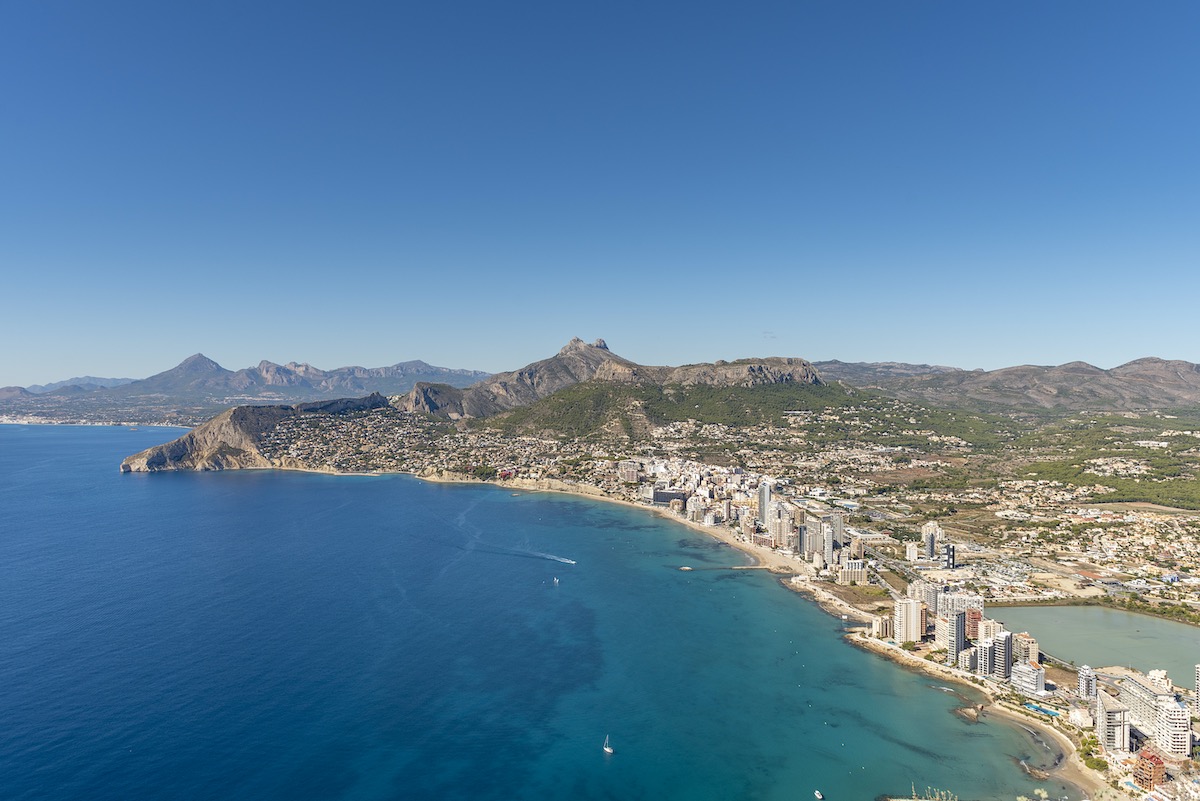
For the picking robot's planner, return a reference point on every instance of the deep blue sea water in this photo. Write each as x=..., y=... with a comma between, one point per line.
x=276, y=635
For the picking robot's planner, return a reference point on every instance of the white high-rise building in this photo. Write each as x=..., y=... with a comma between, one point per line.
x=952, y=603
x=838, y=521
x=908, y=621
x=1029, y=678
x=780, y=524
x=1112, y=723
x=1156, y=712
x=968, y=660
x=985, y=659
x=827, y=538
x=1196, y=695
x=1025, y=648
x=930, y=593
x=1002, y=658
x=1175, y=729
x=1087, y=682
x=764, y=500
x=989, y=628
x=950, y=633
x=931, y=535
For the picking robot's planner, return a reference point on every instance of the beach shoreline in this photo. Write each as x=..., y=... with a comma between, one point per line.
x=1070, y=767
x=796, y=575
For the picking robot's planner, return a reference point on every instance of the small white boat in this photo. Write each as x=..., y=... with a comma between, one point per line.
x=556, y=581
x=818, y=794
x=608, y=749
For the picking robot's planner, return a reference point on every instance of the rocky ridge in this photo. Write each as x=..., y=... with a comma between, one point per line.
x=578, y=362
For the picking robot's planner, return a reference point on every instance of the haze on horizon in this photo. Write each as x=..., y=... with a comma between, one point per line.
x=474, y=184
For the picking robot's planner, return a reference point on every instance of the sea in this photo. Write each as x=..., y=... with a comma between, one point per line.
x=287, y=635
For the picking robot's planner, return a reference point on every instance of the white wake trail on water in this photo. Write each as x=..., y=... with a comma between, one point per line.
x=476, y=543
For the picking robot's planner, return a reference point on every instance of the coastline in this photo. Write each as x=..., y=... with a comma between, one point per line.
x=770, y=560
x=795, y=575
x=1069, y=768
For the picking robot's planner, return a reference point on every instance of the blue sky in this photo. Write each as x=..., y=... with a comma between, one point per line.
x=473, y=183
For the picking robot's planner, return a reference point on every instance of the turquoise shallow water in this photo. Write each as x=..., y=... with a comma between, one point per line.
x=1091, y=635
x=264, y=635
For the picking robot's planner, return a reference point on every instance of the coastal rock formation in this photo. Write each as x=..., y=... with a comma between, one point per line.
x=578, y=362
x=231, y=439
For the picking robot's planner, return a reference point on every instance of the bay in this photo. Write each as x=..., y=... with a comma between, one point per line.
x=275, y=635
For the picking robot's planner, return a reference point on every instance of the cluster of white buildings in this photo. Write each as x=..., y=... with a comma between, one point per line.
x=1148, y=710
x=972, y=642
x=749, y=502
x=1141, y=709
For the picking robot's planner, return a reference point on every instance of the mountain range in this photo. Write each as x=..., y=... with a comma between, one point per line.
x=199, y=377
x=199, y=387
x=1148, y=383
x=79, y=383
x=579, y=362
x=585, y=389
x=233, y=437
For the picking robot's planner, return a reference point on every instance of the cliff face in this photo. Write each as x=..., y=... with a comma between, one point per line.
x=745, y=373
x=231, y=439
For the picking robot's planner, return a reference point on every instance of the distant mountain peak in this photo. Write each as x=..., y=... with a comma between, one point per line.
x=575, y=344
x=197, y=362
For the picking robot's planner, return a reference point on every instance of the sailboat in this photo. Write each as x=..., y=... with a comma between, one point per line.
x=608, y=749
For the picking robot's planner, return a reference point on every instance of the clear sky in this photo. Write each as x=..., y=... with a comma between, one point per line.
x=473, y=183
